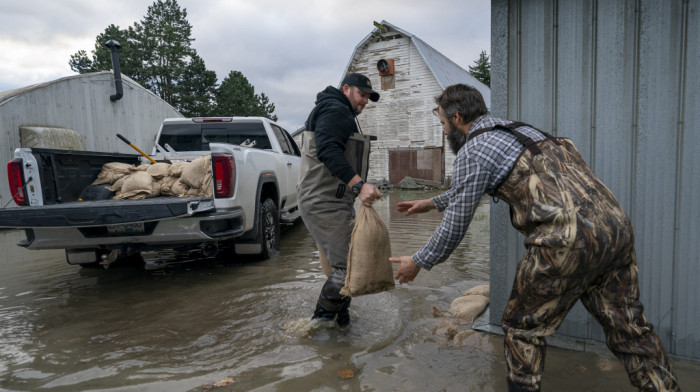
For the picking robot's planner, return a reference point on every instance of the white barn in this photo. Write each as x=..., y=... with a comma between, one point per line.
x=410, y=140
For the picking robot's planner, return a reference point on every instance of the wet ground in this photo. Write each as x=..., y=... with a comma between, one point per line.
x=221, y=324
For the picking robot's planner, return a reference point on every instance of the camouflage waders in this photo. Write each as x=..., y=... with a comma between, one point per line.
x=580, y=245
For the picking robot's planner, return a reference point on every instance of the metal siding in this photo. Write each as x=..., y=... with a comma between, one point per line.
x=655, y=179
x=621, y=79
x=502, y=238
x=687, y=318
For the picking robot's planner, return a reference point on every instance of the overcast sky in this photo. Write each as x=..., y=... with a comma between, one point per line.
x=288, y=49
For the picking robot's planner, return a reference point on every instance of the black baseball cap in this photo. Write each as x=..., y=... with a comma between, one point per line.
x=363, y=83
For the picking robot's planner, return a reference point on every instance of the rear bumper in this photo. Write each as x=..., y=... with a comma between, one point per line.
x=166, y=233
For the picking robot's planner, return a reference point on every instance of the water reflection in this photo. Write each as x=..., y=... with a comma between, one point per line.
x=184, y=322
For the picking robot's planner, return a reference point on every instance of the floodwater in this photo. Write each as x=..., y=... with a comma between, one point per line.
x=221, y=324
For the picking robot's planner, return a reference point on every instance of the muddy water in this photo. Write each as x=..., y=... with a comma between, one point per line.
x=185, y=323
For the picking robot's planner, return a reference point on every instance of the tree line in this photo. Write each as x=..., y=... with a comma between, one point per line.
x=157, y=53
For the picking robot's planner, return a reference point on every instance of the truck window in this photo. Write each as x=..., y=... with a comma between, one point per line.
x=181, y=137
x=196, y=137
x=279, y=133
x=237, y=133
x=292, y=143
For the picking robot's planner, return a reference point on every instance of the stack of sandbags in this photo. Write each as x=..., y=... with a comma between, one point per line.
x=145, y=181
x=470, y=304
x=462, y=312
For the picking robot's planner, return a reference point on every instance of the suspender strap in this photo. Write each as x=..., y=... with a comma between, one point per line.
x=512, y=128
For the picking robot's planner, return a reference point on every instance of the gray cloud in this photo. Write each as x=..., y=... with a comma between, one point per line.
x=287, y=49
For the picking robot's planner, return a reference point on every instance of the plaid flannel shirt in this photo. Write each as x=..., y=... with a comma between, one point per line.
x=479, y=168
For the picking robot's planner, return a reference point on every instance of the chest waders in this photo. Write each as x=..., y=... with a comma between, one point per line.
x=326, y=205
x=579, y=245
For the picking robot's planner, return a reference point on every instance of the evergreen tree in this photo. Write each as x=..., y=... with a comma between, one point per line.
x=481, y=69
x=164, y=38
x=236, y=97
x=196, y=90
x=157, y=53
x=129, y=55
x=265, y=108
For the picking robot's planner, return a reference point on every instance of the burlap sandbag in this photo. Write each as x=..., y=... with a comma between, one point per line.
x=471, y=303
x=112, y=171
x=139, y=185
x=117, y=186
x=369, y=270
x=196, y=172
x=482, y=289
x=179, y=188
x=175, y=168
x=158, y=170
x=166, y=185
x=467, y=306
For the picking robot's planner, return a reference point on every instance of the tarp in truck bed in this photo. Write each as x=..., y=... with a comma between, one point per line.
x=103, y=212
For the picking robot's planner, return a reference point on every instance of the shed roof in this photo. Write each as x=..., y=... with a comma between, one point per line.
x=8, y=95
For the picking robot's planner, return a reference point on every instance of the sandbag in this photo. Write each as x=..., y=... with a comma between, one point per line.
x=482, y=289
x=179, y=188
x=468, y=307
x=158, y=170
x=117, y=186
x=166, y=185
x=139, y=185
x=176, y=168
x=195, y=173
x=111, y=172
x=369, y=270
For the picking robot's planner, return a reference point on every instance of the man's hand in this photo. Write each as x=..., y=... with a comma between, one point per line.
x=415, y=206
x=369, y=194
x=407, y=270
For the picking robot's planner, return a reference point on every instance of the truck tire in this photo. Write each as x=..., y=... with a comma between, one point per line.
x=269, y=229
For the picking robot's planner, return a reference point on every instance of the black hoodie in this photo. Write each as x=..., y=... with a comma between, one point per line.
x=333, y=122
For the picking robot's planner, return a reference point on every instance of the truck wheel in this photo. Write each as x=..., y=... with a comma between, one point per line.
x=269, y=229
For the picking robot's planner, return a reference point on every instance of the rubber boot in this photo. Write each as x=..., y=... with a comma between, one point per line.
x=343, y=318
x=512, y=387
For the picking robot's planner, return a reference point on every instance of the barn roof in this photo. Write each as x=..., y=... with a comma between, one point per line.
x=446, y=72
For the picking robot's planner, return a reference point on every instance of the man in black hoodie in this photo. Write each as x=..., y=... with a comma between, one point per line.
x=330, y=181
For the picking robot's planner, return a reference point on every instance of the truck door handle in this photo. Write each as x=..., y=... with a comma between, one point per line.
x=289, y=164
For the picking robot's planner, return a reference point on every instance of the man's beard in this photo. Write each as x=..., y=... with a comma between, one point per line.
x=455, y=137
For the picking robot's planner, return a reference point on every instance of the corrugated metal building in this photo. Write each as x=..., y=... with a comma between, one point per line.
x=76, y=112
x=621, y=79
x=410, y=140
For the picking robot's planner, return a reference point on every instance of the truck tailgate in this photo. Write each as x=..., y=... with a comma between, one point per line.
x=103, y=212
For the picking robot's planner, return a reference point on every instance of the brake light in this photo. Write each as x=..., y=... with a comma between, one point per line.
x=16, y=179
x=211, y=119
x=224, y=175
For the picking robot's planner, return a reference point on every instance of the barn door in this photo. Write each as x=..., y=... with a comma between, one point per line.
x=420, y=163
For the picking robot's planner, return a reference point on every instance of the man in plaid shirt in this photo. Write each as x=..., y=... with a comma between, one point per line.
x=579, y=241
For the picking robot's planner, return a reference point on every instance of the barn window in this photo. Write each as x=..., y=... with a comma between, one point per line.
x=386, y=72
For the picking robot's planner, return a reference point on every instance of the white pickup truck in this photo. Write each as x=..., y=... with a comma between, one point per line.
x=255, y=166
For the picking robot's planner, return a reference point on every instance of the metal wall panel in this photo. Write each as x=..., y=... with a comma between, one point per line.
x=686, y=340
x=621, y=79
